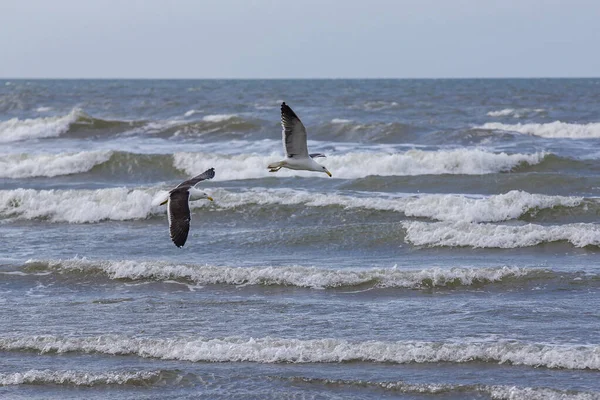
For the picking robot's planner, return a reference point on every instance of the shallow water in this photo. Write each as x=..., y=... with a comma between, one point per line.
x=454, y=254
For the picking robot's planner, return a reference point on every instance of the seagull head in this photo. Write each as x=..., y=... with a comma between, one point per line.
x=196, y=194
x=325, y=170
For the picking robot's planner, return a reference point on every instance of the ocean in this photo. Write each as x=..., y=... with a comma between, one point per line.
x=454, y=254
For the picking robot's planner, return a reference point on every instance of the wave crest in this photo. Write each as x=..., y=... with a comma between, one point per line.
x=85, y=206
x=16, y=129
x=75, y=378
x=466, y=234
x=48, y=165
x=360, y=165
x=298, y=276
x=550, y=130
x=498, y=392
x=278, y=350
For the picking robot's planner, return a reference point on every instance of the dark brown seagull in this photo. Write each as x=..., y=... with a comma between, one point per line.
x=178, y=208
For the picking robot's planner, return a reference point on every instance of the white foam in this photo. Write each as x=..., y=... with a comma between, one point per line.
x=360, y=165
x=80, y=206
x=43, y=109
x=49, y=165
x=528, y=393
x=500, y=236
x=340, y=121
x=218, y=117
x=493, y=208
x=515, y=113
x=444, y=207
x=498, y=392
x=554, y=129
x=309, y=277
x=190, y=113
x=75, y=378
x=16, y=129
x=277, y=350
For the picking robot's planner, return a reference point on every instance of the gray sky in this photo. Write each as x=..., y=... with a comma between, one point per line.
x=299, y=39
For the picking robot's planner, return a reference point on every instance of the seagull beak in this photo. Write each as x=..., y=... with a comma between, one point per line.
x=164, y=202
x=210, y=198
x=328, y=173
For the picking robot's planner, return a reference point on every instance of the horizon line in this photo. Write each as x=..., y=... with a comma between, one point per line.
x=292, y=78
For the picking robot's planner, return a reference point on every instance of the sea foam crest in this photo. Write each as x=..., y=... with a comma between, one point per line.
x=443, y=207
x=22, y=129
x=218, y=117
x=497, y=392
x=360, y=165
x=466, y=234
x=550, y=130
x=75, y=378
x=81, y=206
x=49, y=165
x=310, y=277
x=77, y=206
x=281, y=350
x=515, y=113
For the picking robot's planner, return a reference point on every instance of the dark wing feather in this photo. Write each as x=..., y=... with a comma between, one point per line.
x=293, y=133
x=208, y=174
x=179, y=216
x=317, y=155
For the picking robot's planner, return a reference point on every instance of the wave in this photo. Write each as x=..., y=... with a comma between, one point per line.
x=297, y=276
x=360, y=165
x=516, y=113
x=225, y=126
x=550, y=130
x=218, y=117
x=77, y=206
x=79, y=124
x=281, y=350
x=16, y=129
x=75, y=378
x=86, y=206
x=348, y=130
x=466, y=234
x=252, y=166
x=498, y=392
x=50, y=165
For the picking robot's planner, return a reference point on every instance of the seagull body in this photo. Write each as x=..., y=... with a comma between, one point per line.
x=294, y=144
x=178, y=207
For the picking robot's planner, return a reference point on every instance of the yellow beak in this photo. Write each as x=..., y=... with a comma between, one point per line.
x=164, y=202
x=328, y=173
x=210, y=198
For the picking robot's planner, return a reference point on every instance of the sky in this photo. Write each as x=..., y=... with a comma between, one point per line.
x=299, y=39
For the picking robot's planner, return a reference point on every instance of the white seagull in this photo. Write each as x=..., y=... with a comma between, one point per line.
x=178, y=209
x=294, y=144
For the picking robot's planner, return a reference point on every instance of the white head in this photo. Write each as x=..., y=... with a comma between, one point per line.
x=321, y=168
x=196, y=194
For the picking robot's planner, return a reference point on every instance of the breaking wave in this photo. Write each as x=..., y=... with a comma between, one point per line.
x=360, y=165
x=280, y=350
x=76, y=378
x=554, y=129
x=466, y=234
x=77, y=206
x=498, y=392
x=516, y=113
x=253, y=166
x=87, y=206
x=297, y=276
x=16, y=129
x=49, y=165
